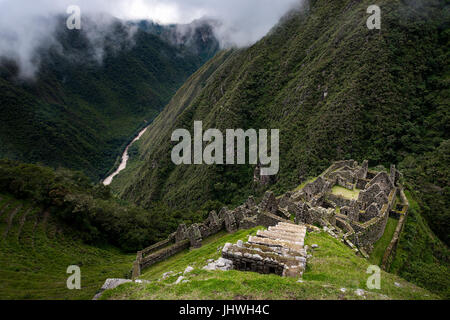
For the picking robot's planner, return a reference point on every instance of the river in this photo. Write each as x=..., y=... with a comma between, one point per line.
x=125, y=158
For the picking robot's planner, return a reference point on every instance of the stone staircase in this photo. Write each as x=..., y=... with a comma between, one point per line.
x=279, y=250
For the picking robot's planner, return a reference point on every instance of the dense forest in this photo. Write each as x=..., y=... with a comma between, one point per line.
x=90, y=96
x=97, y=216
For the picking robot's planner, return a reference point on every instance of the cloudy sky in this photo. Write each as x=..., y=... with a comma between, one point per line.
x=24, y=24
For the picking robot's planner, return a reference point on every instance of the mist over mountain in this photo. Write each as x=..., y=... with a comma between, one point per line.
x=72, y=102
x=86, y=92
x=26, y=27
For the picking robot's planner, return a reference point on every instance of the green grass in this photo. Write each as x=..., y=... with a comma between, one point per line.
x=421, y=257
x=343, y=192
x=196, y=258
x=300, y=187
x=376, y=257
x=332, y=267
x=33, y=262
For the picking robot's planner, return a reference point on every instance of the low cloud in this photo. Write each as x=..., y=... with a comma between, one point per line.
x=26, y=26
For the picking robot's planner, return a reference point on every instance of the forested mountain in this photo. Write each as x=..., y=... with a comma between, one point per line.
x=93, y=90
x=336, y=90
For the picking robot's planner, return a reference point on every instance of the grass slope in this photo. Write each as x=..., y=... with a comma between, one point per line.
x=332, y=267
x=376, y=257
x=35, y=252
x=422, y=257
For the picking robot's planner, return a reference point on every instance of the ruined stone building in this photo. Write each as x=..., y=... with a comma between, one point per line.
x=347, y=198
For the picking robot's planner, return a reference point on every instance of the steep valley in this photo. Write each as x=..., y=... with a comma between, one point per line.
x=334, y=89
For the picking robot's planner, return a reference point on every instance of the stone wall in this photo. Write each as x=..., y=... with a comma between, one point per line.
x=279, y=250
x=371, y=231
x=163, y=254
x=364, y=220
x=267, y=219
x=389, y=254
x=384, y=181
x=156, y=247
x=361, y=183
x=339, y=201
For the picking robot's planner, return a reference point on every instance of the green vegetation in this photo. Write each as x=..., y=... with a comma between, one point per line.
x=429, y=178
x=196, y=258
x=36, y=250
x=335, y=89
x=90, y=209
x=345, y=193
x=422, y=258
x=376, y=257
x=301, y=186
x=79, y=113
x=333, y=266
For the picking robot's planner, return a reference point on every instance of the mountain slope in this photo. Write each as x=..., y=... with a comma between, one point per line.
x=336, y=90
x=90, y=96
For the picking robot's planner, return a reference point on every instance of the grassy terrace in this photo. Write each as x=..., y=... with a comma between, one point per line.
x=345, y=193
x=35, y=253
x=333, y=267
x=380, y=246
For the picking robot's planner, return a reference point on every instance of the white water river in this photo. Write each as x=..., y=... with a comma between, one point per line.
x=125, y=158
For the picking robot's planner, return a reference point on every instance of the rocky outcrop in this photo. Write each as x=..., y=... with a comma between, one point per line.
x=114, y=283
x=221, y=264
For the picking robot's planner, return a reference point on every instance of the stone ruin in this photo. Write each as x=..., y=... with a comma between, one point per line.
x=246, y=216
x=279, y=250
x=359, y=222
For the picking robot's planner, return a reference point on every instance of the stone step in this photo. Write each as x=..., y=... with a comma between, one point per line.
x=291, y=226
x=248, y=259
x=281, y=236
x=276, y=243
x=301, y=233
x=259, y=255
x=278, y=250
